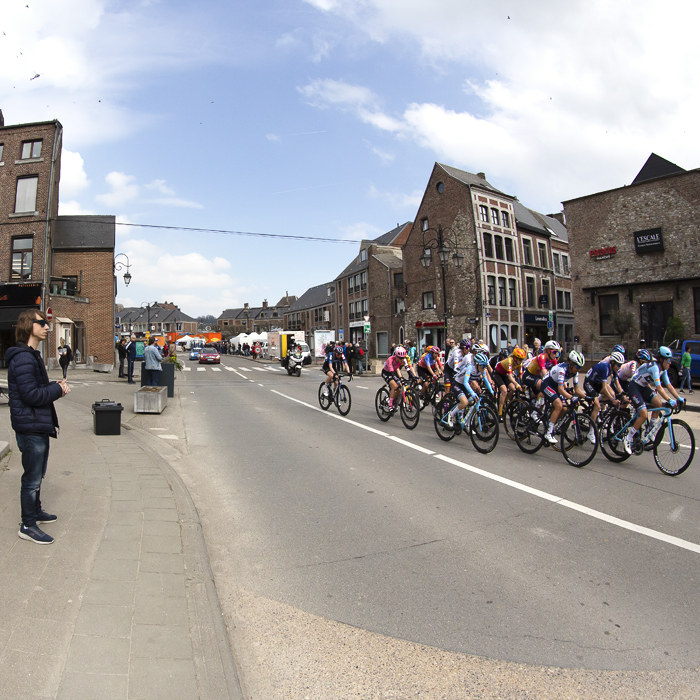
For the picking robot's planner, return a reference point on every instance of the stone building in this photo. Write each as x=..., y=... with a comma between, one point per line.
x=478, y=263
x=314, y=310
x=635, y=258
x=166, y=319
x=256, y=319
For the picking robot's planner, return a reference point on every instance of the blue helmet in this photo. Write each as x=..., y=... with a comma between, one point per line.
x=481, y=358
x=643, y=355
x=619, y=348
x=665, y=353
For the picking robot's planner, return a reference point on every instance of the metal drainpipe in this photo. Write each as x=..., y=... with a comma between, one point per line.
x=388, y=274
x=56, y=140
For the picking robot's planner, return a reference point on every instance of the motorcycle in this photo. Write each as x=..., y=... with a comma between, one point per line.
x=294, y=363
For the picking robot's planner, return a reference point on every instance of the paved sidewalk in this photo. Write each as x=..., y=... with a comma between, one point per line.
x=122, y=604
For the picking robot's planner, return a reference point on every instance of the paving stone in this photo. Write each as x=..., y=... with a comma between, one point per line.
x=23, y=674
x=33, y=635
x=93, y=654
x=127, y=505
x=163, y=529
x=104, y=620
x=109, y=592
x=130, y=494
x=119, y=549
x=164, y=563
x=123, y=532
x=162, y=514
x=125, y=518
x=161, y=642
x=162, y=679
x=156, y=610
x=155, y=584
x=115, y=570
x=162, y=544
x=159, y=502
x=93, y=686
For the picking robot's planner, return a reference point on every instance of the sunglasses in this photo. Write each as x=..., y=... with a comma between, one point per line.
x=41, y=322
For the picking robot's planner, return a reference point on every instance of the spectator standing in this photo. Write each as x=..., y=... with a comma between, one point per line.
x=121, y=350
x=65, y=356
x=130, y=359
x=33, y=417
x=359, y=357
x=350, y=357
x=412, y=352
x=686, y=361
x=153, y=359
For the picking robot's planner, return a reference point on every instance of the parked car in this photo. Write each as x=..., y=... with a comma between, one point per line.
x=194, y=353
x=679, y=347
x=209, y=355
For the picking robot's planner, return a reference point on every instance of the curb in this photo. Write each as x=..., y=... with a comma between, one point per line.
x=4, y=448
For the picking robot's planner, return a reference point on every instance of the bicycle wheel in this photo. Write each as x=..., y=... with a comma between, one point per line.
x=674, y=455
x=324, y=399
x=410, y=409
x=530, y=428
x=381, y=404
x=443, y=431
x=612, y=446
x=343, y=400
x=510, y=416
x=578, y=450
x=484, y=429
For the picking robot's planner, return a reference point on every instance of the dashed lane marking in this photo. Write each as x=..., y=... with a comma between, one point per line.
x=216, y=369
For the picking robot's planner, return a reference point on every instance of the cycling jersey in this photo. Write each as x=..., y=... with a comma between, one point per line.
x=506, y=367
x=626, y=372
x=600, y=373
x=560, y=374
x=465, y=372
x=455, y=358
x=539, y=363
x=427, y=361
x=650, y=374
x=394, y=364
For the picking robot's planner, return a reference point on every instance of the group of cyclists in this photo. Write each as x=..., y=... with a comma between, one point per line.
x=642, y=380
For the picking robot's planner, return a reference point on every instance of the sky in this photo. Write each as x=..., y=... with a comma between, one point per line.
x=324, y=118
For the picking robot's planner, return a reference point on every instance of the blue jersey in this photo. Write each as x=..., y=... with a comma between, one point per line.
x=600, y=373
x=650, y=375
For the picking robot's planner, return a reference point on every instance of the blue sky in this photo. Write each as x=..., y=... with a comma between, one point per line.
x=324, y=118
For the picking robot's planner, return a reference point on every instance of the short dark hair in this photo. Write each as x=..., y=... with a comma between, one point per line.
x=151, y=340
x=25, y=324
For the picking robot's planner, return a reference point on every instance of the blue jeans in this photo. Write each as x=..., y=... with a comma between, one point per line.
x=359, y=365
x=153, y=376
x=35, y=457
x=686, y=377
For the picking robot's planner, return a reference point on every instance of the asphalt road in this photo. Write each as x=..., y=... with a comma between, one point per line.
x=506, y=556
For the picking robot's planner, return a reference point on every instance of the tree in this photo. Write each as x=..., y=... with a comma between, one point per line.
x=623, y=322
x=208, y=318
x=675, y=330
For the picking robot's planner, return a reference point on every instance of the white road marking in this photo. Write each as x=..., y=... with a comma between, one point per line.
x=201, y=369
x=585, y=510
x=411, y=445
x=186, y=369
x=216, y=369
x=242, y=376
x=260, y=369
x=357, y=386
x=230, y=369
x=274, y=369
x=246, y=369
x=169, y=437
x=260, y=384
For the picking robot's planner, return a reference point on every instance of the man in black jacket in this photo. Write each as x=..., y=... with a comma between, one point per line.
x=121, y=349
x=33, y=418
x=130, y=359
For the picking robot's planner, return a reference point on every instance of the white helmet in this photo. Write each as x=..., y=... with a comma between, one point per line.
x=576, y=358
x=552, y=345
x=617, y=358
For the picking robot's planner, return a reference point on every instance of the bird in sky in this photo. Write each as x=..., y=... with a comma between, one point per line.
x=37, y=75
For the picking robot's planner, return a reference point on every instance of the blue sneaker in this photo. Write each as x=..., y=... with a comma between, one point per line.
x=34, y=534
x=45, y=517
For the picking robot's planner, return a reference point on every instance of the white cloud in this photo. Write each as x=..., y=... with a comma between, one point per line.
x=160, y=186
x=73, y=176
x=383, y=155
x=399, y=200
x=561, y=99
x=73, y=208
x=361, y=231
x=272, y=137
x=175, y=202
x=123, y=190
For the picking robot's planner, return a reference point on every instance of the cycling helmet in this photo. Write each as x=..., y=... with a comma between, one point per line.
x=617, y=358
x=552, y=345
x=503, y=354
x=465, y=344
x=643, y=355
x=576, y=358
x=665, y=353
x=400, y=351
x=620, y=348
x=519, y=354
x=433, y=348
x=339, y=349
x=481, y=358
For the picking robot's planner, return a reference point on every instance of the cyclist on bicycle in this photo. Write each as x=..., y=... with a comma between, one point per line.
x=391, y=372
x=628, y=370
x=597, y=384
x=645, y=387
x=429, y=366
x=334, y=363
x=461, y=384
x=456, y=357
x=554, y=388
x=504, y=375
x=537, y=368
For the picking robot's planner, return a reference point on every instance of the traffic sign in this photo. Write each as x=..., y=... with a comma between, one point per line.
x=550, y=325
x=551, y=315
x=49, y=314
x=550, y=332
x=366, y=327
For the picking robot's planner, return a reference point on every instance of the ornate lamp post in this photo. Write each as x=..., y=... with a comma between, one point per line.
x=119, y=265
x=148, y=305
x=445, y=243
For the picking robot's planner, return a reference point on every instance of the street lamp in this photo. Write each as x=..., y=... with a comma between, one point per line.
x=121, y=266
x=444, y=242
x=148, y=306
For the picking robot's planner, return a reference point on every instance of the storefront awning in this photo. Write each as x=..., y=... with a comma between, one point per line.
x=63, y=320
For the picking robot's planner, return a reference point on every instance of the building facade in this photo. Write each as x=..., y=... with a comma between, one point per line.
x=314, y=310
x=256, y=319
x=164, y=319
x=635, y=258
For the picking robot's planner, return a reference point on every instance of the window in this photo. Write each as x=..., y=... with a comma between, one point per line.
x=424, y=224
x=365, y=307
x=510, y=257
x=491, y=289
x=340, y=312
x=506, y=219
x=567, y=300
x=328, y=291
x=512, y=292
x=545, y=294
x=178, y=326
x=502, y=300
x=608, y=304
x=495, y=217
x=364, y=280
x=527, y=251
x=514, y=334
x=427, y=300
x=25, y=200
x=2, y=145
x=530, y=289
x=31, y=149
x=560, y=299
x=499, y=247
x=363, y=255
x=542, y=250
x=565, y=264
x=22, y=258
x=484, y=213
x=399, y=306
x=557, y=264
x=398, y=279
x=488, y=245
x=696, y=298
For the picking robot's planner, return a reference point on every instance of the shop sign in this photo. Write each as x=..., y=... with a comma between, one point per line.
x=20, y=295
x=536, y=318
x=603, y=253
x=429, y=324
x=648, y=241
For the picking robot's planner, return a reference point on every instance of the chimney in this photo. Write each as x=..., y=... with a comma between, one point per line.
x=481, y=175
x=559, y=216
x=245, y=306
x=264, y=303
x=2, y=119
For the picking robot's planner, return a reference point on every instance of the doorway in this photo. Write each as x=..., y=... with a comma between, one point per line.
x=654, y=318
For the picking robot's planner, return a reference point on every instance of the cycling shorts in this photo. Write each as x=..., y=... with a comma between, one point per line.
x=624, y=384
x=389, y=376
x=530, y=380
x=336, y=367
x=499, y=380
x=550, y=389
x=640, y=395
x=449, y=373
x=423, y=374
x=592, y=389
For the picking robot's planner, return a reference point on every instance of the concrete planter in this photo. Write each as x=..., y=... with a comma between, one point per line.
x=151, y=399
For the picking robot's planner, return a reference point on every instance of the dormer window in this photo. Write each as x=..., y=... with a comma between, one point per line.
x=363, y=255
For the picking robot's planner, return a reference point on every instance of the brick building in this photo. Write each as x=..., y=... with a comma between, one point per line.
x=64, y=261
x=635, y=258
x=498, y=281
x=164, y=319
x=314, y=310
x=256, y=319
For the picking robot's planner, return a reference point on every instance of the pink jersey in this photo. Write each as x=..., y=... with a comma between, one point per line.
x=394, y=364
